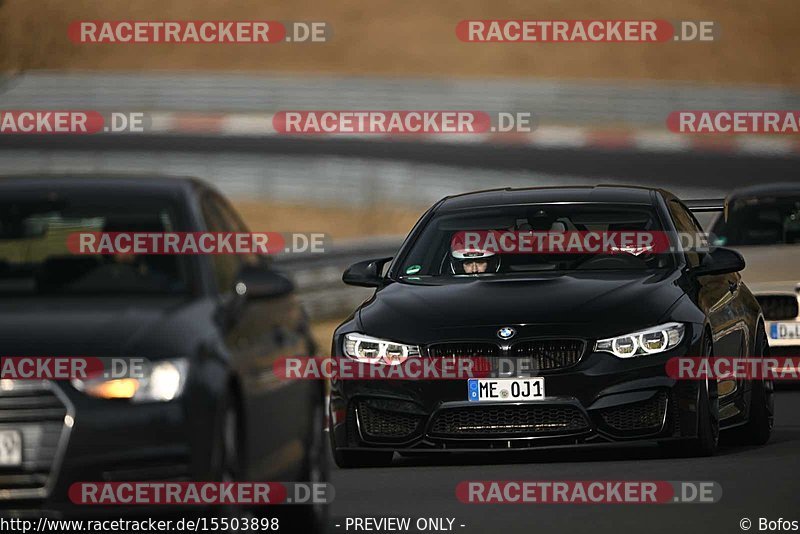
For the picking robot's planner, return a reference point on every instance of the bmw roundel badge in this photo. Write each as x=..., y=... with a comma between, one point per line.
x=506, y=332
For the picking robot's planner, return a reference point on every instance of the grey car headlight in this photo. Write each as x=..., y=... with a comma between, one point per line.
x=160, y=381
x=650, y=341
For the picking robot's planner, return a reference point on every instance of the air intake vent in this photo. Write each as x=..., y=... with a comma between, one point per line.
x=639, y=416
x=507, y=421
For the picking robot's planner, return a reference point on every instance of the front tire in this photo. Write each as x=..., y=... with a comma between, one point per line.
x=707, y=441
x=228, y=461
x=761, y=420
x=313, y=518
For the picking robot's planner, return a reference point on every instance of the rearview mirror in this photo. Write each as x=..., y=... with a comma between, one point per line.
x=720, y=260
x=366, y=273
x=260, y=282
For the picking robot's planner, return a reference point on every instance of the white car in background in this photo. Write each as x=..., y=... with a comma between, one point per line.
x=763, y=223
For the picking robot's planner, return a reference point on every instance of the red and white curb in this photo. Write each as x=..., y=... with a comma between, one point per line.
x=260, y=125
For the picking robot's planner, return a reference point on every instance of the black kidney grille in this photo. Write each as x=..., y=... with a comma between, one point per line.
x=548, y=354
x=463, y=350
x=778, y=307
x=510, y=421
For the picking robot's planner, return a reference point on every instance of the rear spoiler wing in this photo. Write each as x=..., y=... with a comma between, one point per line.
x=708, y=205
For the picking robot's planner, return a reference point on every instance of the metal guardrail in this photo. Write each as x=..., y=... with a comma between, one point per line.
x=622, y=103
x=315, y=179
x=369, y=173
x=318, y=277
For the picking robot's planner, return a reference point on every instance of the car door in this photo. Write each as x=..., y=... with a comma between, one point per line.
x=718, y=294
x=262, y=331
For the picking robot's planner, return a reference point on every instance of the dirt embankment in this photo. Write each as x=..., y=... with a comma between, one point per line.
x=758, y=40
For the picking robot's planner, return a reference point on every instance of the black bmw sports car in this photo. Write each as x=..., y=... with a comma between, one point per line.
x=595, y=331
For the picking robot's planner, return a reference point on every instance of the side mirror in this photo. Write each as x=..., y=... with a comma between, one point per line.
x=261, y=283
x=720, y=260
x=365, y=273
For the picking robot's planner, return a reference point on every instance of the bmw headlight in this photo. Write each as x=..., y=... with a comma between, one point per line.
x=161, y=381
x=651, y=341
x=368, y=349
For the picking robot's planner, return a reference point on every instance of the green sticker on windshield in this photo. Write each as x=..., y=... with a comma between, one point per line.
x=414, y=269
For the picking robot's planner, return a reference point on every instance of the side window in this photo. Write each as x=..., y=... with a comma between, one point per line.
x=685, y=223
x=231, y=219
x=226, y=266
x=229, y=216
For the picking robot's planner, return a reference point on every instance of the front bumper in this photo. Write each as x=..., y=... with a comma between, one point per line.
x=69, y=437
x=600, y=399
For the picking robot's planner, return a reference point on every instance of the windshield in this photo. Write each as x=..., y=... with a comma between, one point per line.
x=35, y=258
x=435, y=253
x=760, y=221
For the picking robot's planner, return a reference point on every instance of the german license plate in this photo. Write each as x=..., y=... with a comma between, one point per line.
x=784, y=331
x=10, y=448
x=505, y=389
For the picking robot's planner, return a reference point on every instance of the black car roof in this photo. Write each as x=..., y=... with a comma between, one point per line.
x=142, y=183
x=759, y=190
x=532, y=195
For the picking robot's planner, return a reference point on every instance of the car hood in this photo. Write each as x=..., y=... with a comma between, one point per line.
x=771, y=268
x=98, y=327
x=582, y=305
